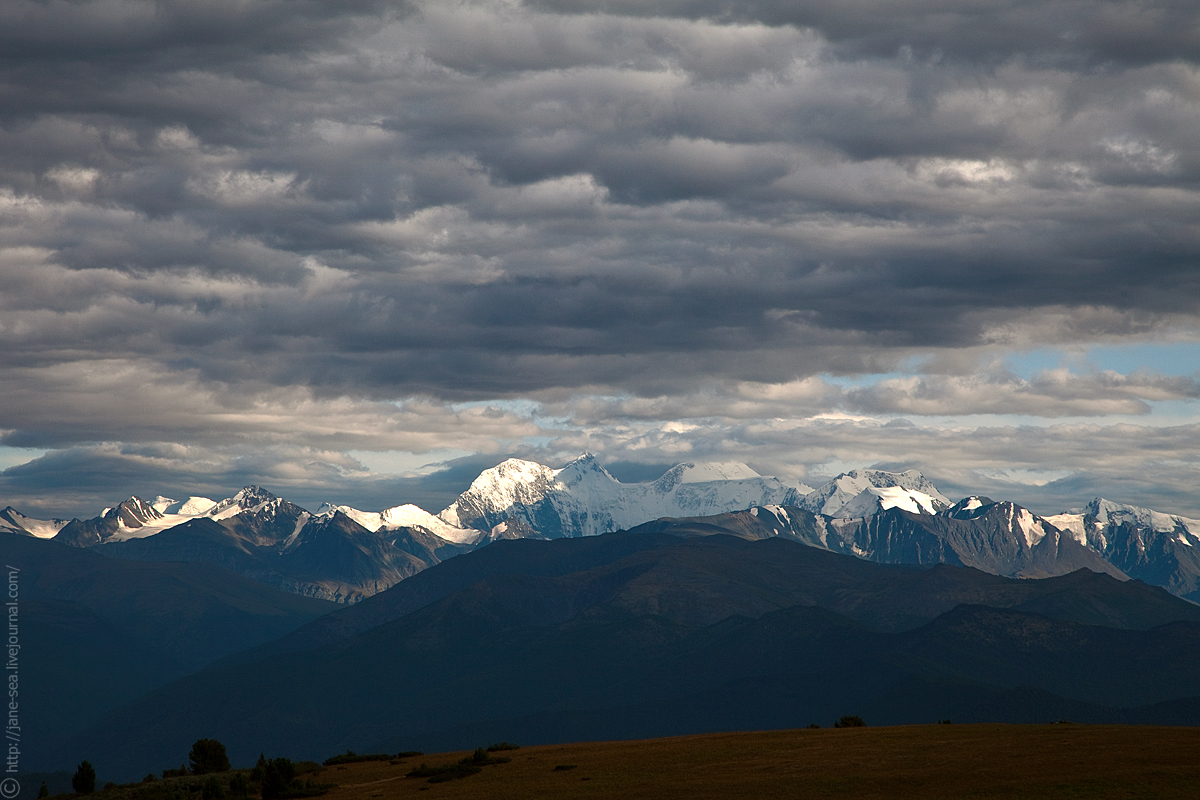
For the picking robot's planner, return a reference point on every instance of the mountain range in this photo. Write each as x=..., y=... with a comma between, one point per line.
x=643, y=633
x=726, y=601
x=344, y=554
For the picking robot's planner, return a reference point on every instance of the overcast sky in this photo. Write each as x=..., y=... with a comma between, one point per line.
x=358, y=251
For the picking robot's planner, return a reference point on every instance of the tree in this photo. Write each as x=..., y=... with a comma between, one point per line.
x=208, y=755
x=84, y=781
x=277, y=776
x=850, y=721
x=44, y=791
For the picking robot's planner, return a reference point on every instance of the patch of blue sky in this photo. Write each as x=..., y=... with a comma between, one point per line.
x=1025, y=477
x=399, y=462
x=861, y=381
x=1165, y=358
x=522, y=407
x=913, y=365
x=16, y=456
x=1162, y=414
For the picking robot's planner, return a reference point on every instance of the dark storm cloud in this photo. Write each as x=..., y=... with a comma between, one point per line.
x=81, y=481
x=1071, y=30
x=232, y=222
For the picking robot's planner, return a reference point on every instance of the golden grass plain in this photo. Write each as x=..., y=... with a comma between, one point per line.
x=920, y=761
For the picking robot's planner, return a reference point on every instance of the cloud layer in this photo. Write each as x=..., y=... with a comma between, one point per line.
x=273, y=233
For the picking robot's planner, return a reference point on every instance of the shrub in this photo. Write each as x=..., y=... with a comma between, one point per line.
x=238, y=785
x=208, y=755
x=44, y=791
x=494, y=748
x=175, y=773
x=212, y=789
x=260, y=767
x=409, y=753
x=850, y=721
x=108, y=787
x=151, y=778
x=84, y=781
x=445, y=772
x=351, y=757
x=812, y=726
x=480, y=758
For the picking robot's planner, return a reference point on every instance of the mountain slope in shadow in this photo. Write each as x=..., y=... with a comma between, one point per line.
x=545, y=642
x=97, y=632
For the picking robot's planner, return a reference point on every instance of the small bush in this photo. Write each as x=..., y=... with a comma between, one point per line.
x=238, y=785
x=495, y=748
x=812, y=726
x=850, y=721
x=151, y=778
x=212, y=789
x=943, y=722
x=175, y=773
x=108, y=787
x=44, y=791
x=409, y=753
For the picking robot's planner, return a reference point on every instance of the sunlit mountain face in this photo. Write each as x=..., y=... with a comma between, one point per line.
x=345, y=554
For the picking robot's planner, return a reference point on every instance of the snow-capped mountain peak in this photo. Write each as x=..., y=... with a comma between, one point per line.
x=409, y=516
x=969, y=507
x=509, y=483
x=370, y=520
x=192, y=507
x=15, y=521
x=133, y=513
x=404, y=516
x=585, y=468
x=1106, y=512
x=251, y=498
x=874, y=499
x=852, y=493
x=583, y=499
x=1103, y=524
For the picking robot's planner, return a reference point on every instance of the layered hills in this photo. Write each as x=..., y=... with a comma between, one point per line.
x=96, y=632
x=639, y=634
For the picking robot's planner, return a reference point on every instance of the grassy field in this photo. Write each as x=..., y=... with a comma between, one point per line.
x=931, y=761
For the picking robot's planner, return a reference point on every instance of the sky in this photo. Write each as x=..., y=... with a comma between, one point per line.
x=360, y=251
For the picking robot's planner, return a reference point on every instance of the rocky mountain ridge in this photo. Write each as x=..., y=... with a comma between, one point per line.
x=345, y=554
